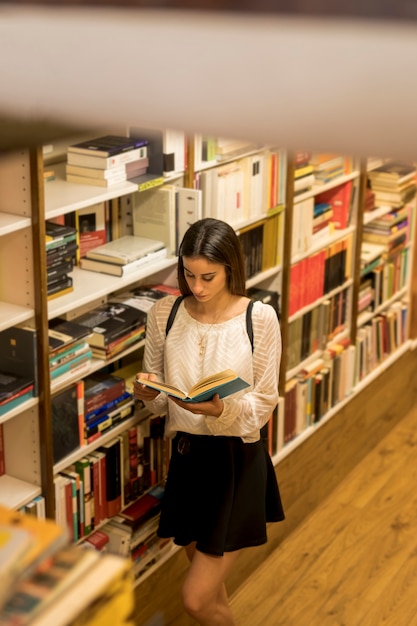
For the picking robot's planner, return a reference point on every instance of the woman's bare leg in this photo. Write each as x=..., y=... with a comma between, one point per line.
x=204, y=590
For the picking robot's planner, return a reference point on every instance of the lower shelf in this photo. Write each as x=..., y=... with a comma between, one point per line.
x=15, y=493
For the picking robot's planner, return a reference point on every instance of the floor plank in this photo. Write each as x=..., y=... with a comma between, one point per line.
x=353, y=561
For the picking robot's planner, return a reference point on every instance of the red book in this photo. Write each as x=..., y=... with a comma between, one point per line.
x=146, y=506
x=294, y=295
x=98, y=539
x=340, y=200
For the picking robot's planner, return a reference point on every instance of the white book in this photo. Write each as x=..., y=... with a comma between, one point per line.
x=125, y=249
x=154, y=215
x=114, y=269
x=189, y=209
x=104, y=163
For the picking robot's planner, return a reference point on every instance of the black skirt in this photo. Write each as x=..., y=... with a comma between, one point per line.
x=220, y=493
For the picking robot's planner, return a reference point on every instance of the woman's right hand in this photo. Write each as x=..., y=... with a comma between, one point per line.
x=142, y=392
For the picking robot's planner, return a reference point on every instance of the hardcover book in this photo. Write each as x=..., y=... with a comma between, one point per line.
x=113, y=477
x=96, y=161
x=224, y=383
x=114, y=269
x=18, y=360
x=110, y=321
x=108, y=145
x=62, y=333
x=101, y=388
x=65, y=422
x=125, y=250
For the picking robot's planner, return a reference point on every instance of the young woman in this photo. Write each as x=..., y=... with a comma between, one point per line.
x=221, y=488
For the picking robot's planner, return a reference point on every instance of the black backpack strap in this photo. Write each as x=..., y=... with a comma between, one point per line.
x=173, y=313
x=249, y=327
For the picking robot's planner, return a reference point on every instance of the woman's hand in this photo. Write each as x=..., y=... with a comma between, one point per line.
x=213, y=408
x=142, y=392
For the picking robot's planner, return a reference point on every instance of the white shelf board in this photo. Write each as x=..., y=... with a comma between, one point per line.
x=370, y=216
x=89, y=286
x=13, y=314
x=10, y=223
x=15, y=493
x=19, y=409
x=258, y=278
x=63, y=197
x=323, y=243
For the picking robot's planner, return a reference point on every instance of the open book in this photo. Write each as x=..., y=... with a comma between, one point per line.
x=224, y=383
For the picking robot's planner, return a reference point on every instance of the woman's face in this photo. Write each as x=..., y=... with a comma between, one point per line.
x=205, y=279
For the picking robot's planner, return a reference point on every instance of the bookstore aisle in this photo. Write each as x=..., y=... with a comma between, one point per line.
x=352, y=562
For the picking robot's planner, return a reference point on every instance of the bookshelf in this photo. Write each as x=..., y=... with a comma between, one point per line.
x=22, y=228
x=21, y=426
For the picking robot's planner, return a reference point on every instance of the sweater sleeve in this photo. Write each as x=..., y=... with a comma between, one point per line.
x=153, y=360
x=246, y=415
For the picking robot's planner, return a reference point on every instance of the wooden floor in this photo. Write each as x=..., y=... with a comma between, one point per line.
x=352, y=562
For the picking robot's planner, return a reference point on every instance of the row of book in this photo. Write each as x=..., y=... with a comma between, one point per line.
x=383, y=281
x=327, y=380
x=210, y=150
x=61, y=256
x=105, y=482
x=133, y=533
x=316, y=218
x=310, y=332
x=392, y=230
x=393, y=183
x=47, y=581
x=106, y=161
x=318, y=274
x=315, y=169
x=87, y=409
x=245, y=189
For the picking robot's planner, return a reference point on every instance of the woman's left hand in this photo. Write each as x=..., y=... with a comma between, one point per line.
x=213, y=408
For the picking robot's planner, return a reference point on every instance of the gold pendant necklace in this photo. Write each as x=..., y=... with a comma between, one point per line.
x=202, y=337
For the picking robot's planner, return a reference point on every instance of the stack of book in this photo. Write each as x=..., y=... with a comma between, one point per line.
x=100, y=420
x=107, y=160
x=133, y=533
x=372, y=255
x=69, y=350
x=124, y=255
x=369, y=200
x=322, y=219
x=61, y=254
x=18, y=372
x=390, y=230
x=327, y=167
x=393, y=183
x=47, y=581
x=114, y=326
x=304, y=177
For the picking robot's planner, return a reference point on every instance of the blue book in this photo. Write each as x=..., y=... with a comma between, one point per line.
x=105, y=408
x=69, y=365
x=14, y=402
x=224, y=383
x=108, y=145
